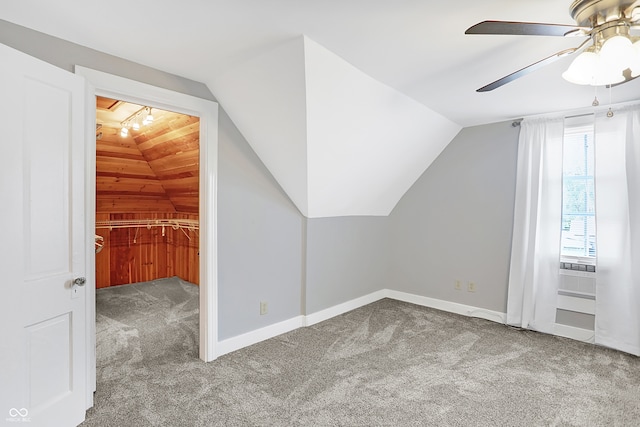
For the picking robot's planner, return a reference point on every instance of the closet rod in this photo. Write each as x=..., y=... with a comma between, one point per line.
x=190, y=224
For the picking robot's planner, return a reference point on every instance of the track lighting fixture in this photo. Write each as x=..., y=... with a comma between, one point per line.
x=149, y=119
x=142, y=116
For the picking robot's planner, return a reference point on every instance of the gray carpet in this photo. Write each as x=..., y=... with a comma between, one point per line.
x=385, y=364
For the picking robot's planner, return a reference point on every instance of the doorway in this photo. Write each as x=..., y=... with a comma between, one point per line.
x=116, y=87
x=146, y=236
x=147, y=194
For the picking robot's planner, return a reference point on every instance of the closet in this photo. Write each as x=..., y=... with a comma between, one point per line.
x=147, y=194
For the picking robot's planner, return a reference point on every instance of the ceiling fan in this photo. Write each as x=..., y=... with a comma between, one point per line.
x=612, y=57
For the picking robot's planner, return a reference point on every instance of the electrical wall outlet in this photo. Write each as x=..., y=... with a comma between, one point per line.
x=263, y=307
x=457, y=285
x=471, y=287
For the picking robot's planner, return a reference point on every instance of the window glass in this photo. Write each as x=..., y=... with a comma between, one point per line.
x=578, y=193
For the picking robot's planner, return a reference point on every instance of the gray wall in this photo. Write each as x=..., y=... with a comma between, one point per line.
x=259, y=229
x=455, y=223
x=259, y=240
x=347, y=257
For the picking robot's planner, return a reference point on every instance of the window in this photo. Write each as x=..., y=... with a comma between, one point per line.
x=578, y=195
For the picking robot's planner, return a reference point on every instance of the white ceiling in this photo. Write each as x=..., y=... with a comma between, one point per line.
x=417, y=47
x=349, y=119
x=338, y=141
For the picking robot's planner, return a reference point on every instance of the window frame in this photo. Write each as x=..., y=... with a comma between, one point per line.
x=578, y=126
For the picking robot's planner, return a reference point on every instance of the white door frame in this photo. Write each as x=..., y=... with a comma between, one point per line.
x=109, y=85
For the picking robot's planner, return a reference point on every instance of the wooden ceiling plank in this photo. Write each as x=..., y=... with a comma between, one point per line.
x=162, y=147
x=103, y=103
x=120, y=155
x=131, y=171
x=168, y=148
x=184, y=189
x=105, y=180
x=133, y=204
x=191, y=209
x=125, y=175
x=180, y=182
x=128, y=185
x=180, y=126
x=124, y=166
x=121, y=194
x=179, y=175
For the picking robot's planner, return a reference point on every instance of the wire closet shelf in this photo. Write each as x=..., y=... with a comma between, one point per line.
x=181, y=224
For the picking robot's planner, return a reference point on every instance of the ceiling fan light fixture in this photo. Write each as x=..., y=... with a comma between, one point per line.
x=606, y=66
x=617, y=51
x=582, y=70
x=635, y=62
x=606, y=75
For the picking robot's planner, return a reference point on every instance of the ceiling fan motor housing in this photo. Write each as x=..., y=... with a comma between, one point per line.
x=610, y=56
x=592, y=13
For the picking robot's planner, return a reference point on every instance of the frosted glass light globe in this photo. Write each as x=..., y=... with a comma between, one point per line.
x=582, y=70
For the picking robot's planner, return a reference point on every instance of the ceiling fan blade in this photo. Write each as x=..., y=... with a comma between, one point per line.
x=526, y=29
x=526, y=70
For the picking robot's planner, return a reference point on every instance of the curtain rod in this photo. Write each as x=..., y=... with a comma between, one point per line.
x=576, y=112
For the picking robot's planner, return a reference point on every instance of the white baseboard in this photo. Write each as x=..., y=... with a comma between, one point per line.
x=262, y=334
x=336, y=310
x=574, y=333
x=253, y=337
x=452, y=307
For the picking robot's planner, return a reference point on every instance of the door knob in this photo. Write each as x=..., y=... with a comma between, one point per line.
x=79, y=281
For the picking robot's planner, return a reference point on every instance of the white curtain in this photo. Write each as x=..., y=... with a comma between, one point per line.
x=617, y=178
x=535, y=250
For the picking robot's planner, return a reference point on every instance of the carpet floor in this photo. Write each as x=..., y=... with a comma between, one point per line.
x=386, y=364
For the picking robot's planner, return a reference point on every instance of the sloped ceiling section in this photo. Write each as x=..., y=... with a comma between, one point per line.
x=153, y=169
x=339, y=142
x=367, y=143
x=265, y=98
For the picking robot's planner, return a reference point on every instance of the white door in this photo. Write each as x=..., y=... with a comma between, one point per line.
x=42, y=243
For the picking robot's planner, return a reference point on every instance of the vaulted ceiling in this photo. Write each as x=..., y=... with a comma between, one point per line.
x=154, y=169
x=313, y=86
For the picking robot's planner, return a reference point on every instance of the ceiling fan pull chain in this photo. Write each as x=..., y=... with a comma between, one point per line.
x=610, y=112
x=595, y=102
